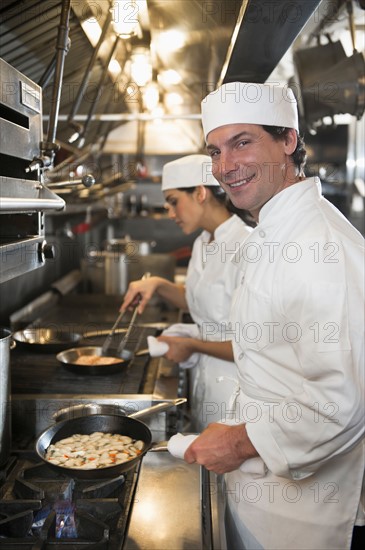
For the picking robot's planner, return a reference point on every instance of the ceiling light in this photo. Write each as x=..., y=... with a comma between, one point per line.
x=92, y=30
x=125, y=17
x=131, y=90
x=172, y=40
x=151, y=96
x=141, y=66
x=157, y=114
x=169, y=77
x=173, y=99
x=114, y=67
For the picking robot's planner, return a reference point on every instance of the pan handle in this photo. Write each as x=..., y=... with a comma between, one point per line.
x=86, y=409
x=165, y=405
x=158, y=447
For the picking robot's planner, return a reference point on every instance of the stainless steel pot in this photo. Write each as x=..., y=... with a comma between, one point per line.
x=6, y=344
x=130, y=247
x=122, y=258
x=110, y=273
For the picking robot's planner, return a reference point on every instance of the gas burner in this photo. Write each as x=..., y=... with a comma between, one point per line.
x=41, y=509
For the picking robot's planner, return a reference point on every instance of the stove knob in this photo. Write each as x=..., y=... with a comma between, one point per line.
x=46, y=251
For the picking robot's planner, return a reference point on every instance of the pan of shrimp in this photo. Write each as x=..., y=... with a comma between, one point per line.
x=98, y=446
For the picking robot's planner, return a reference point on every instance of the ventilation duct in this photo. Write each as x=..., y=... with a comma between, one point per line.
x=327, y=82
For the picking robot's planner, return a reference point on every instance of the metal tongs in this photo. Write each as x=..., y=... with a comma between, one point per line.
x=108, y=339
x=124, y=340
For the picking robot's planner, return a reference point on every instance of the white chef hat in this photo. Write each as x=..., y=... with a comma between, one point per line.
x=268, y=104
x=189, y=171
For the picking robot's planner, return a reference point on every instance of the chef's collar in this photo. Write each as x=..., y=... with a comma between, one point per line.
x=287, y=194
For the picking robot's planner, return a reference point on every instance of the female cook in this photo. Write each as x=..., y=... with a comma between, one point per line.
x=194, y=200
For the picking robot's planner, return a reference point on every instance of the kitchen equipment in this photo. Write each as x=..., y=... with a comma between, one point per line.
x=5, y=404
x=86, y=425
x=45, y=340
x=110, y=272
x=108, y=339
x=69, y=357
x=130, y=247
x=87, y=409
x=125, y=338
x=116, y=268
x=123, y=343
x=24, y=198
x=158, y=325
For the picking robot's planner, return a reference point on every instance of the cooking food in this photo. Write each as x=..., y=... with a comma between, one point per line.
x=97, y=450
x=96, y=360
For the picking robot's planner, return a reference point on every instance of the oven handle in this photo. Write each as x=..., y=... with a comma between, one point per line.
x=8, y=204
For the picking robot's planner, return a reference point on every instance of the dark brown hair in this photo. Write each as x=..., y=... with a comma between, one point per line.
x=221, y=196
x=299, y=156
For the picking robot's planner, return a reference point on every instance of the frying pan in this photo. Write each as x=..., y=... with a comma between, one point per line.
x=107, y=423
x=45, y=340
x=69, y=357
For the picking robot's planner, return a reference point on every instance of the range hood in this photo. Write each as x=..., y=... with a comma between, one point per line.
x=225, y=40
x=264, y=33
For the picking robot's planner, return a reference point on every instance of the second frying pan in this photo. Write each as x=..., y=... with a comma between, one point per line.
x=69, y=358
x=45, y=340
x=107, y=423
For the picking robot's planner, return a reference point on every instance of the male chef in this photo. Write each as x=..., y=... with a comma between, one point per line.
x=294, y=460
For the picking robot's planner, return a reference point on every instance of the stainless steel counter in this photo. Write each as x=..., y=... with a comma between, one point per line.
x=166, y=510
x=177, y=506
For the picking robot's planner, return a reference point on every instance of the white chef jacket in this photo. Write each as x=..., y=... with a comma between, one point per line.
x=210, y=281
x=299, y=348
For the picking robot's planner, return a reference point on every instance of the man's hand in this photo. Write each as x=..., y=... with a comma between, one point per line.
x=221, y=448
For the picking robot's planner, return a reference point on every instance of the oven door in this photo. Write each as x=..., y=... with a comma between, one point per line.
x=23, y=197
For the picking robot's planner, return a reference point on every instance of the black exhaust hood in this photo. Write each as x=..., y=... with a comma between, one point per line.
x=264, y=32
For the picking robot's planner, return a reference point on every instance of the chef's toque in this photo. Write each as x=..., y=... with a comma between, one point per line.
x=189, y=171
x=249, y=103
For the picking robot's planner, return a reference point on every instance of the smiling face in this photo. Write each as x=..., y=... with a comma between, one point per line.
x=184, y=208
x=250, y=164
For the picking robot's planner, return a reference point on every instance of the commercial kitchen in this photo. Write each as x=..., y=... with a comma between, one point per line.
x=90, y=112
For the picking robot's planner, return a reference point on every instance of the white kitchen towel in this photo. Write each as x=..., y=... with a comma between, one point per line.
x=156, y=348
x=178, y=444
x=185, y=330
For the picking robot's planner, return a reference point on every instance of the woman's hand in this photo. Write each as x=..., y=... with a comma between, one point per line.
x=142, y=290
x=180, y=349
x=221, y=448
